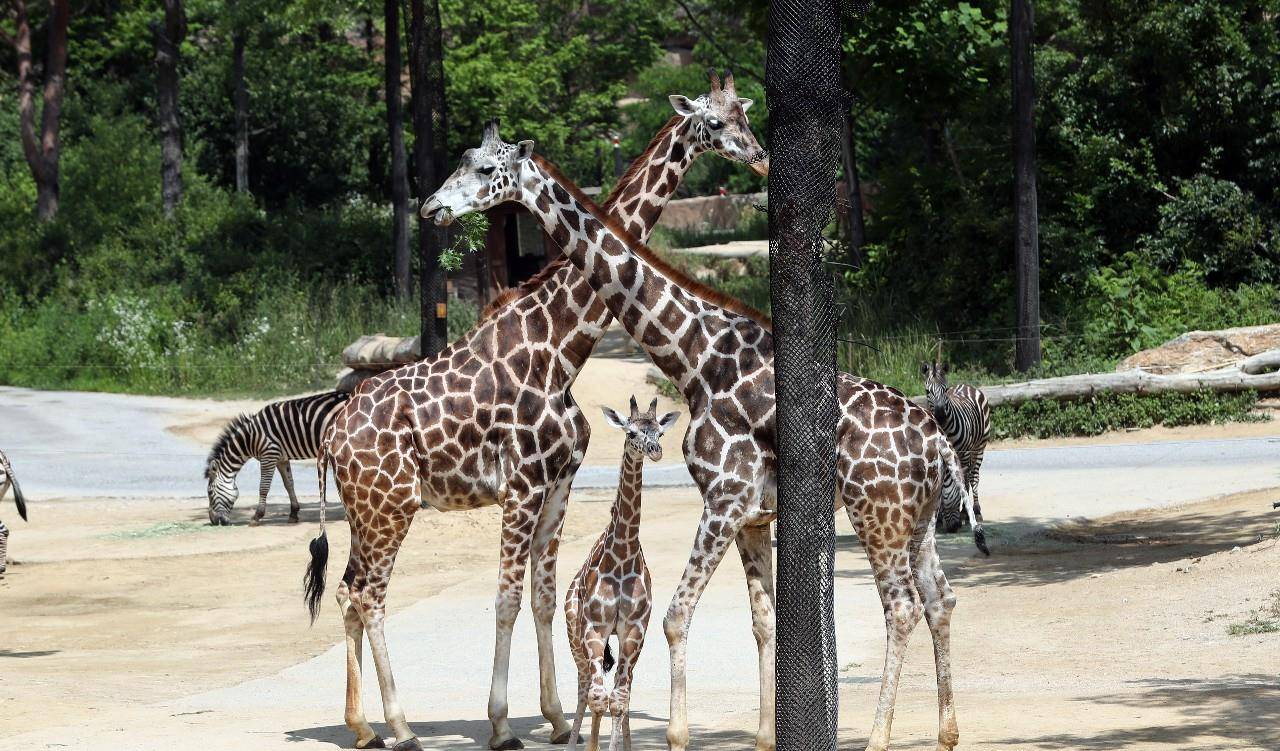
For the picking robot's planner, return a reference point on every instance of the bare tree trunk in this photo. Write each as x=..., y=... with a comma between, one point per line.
x=42, y=153
x=168, y=50
x=426, y=75
x=377, y=163
x=241, y=107
x=1026, y=213
x=853, y=192
x=399, y=160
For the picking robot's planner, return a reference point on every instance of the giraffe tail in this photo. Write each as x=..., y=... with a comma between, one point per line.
x=608, y=656
x=955, y=476
x=313, y=579
x=19, y=500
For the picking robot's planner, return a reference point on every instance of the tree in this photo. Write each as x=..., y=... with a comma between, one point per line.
x=392, y=68
x=240, y=97
x=430, y=156
x=853, y=193
x=1026, y=213
x=169, y=37
x=42, y=153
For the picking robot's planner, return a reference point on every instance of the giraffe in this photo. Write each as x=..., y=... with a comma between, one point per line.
x=490, y=421
x=612, y=593
x=893, y=459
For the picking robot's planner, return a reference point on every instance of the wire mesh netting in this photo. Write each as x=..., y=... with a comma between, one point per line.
x=807, y=103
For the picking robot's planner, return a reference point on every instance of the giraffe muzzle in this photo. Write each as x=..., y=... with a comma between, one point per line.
x=760, y=165
x=436, y=211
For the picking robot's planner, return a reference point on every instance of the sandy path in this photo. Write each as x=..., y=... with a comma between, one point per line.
x=1091, y=638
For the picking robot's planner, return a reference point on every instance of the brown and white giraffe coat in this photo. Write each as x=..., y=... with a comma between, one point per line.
x=490, y=421
x=612, y=595
x=892, y=463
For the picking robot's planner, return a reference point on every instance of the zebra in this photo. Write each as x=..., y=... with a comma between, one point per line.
x=965, y=417
x=279, y=432
x=9, y=480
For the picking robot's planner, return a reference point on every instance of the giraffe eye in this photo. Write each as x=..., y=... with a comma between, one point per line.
x=488, y=169
x=714, y=123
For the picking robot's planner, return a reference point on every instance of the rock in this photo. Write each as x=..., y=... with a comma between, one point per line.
x=1199, y=351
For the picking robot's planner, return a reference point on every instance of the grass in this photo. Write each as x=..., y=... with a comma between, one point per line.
x=1264, y=620
x=163, y=529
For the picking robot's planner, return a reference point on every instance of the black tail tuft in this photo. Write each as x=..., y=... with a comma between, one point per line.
x=313, y=579
x=609, y=662
x=980, y=539
x=18, y=499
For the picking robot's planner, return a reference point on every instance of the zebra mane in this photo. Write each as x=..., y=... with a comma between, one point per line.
x=236, y=426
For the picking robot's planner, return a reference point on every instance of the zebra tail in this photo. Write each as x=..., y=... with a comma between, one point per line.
x=18, y=498
x=957, y=476
x=313, y=579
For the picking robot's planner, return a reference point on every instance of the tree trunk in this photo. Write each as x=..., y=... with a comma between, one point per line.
x=168, y=50
x=426, y=73
x=241, y=108
x=853, y=192
x=377, y=162
x=1026, y=213
x=42, y=152
x=399, y=161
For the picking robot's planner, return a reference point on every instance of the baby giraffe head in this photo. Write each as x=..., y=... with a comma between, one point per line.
x=486, y=176
x=720, y=123
x=643, y=429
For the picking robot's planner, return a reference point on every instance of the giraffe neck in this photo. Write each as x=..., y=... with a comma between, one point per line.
x=635, y=204
x=624, y=522
x=672, y=324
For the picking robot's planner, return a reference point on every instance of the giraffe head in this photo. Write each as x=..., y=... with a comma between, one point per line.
x=720, y=123
x=935, y=379
x=643, y=429
x=487, y=176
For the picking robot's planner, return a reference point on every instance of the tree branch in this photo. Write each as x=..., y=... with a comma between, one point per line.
x=693, y=19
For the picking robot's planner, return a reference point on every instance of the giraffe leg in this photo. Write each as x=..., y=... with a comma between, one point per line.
x=626, y=729
x=902, y=611
x=939, y=601
x=405, y=740
x=593, y=744
x=546, y=545
x=715, y=531
x=267, y=464
x=630, y=642
x=755, y=546
x=574, y=734
x=286, y=475
x=354, y=716
x=517, y=537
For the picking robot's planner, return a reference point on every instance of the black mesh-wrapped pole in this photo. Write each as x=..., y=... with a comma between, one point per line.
x=806, y=106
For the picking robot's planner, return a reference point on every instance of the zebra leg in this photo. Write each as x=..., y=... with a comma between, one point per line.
x=4, y=547
x=286, y=475
x=268, y=463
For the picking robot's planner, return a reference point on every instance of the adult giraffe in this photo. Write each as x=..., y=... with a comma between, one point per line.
x=490, y=421
x=893, y=459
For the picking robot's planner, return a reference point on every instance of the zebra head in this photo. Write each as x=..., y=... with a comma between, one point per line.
x=935, y=381
x=643, y=429
x=228, y=455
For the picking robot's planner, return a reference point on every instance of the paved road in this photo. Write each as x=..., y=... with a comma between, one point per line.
x=74, y=444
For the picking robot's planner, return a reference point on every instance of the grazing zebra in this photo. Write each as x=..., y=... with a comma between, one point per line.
x=8, y=480
x=279, y=432
x=963, y=413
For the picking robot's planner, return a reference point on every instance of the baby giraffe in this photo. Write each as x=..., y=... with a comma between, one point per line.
x=612, y=593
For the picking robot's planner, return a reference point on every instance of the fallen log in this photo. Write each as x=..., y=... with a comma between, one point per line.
x=1130, y=382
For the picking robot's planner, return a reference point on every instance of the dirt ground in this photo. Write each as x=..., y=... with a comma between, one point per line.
x=1095, y=635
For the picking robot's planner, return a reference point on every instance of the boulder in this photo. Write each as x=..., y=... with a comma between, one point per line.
x=1201, y=351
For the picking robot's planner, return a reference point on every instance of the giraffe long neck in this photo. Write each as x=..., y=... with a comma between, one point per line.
x=673, y=325
x=636, y=203
x=624, y=522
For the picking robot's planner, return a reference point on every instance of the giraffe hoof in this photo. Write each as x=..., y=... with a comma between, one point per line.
x=410, y=745
x=377, y=742
x=294, y=519
x=510, y=744
x=562, y=739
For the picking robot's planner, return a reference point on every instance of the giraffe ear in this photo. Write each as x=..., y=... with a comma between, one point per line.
x=746, y=104
x=613, y=418
x=667, y=420
x=524, y=150
x=683, y=105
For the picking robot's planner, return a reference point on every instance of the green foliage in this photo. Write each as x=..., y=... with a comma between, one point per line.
x=470, y=229
x=1264, y=620
x=1099, y=414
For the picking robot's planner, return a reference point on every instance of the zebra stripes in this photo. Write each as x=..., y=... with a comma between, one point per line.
x=965, y=417
x=9, y=480
x=278, y=433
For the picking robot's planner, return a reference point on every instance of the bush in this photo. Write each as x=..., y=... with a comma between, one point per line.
x=1099, y=414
